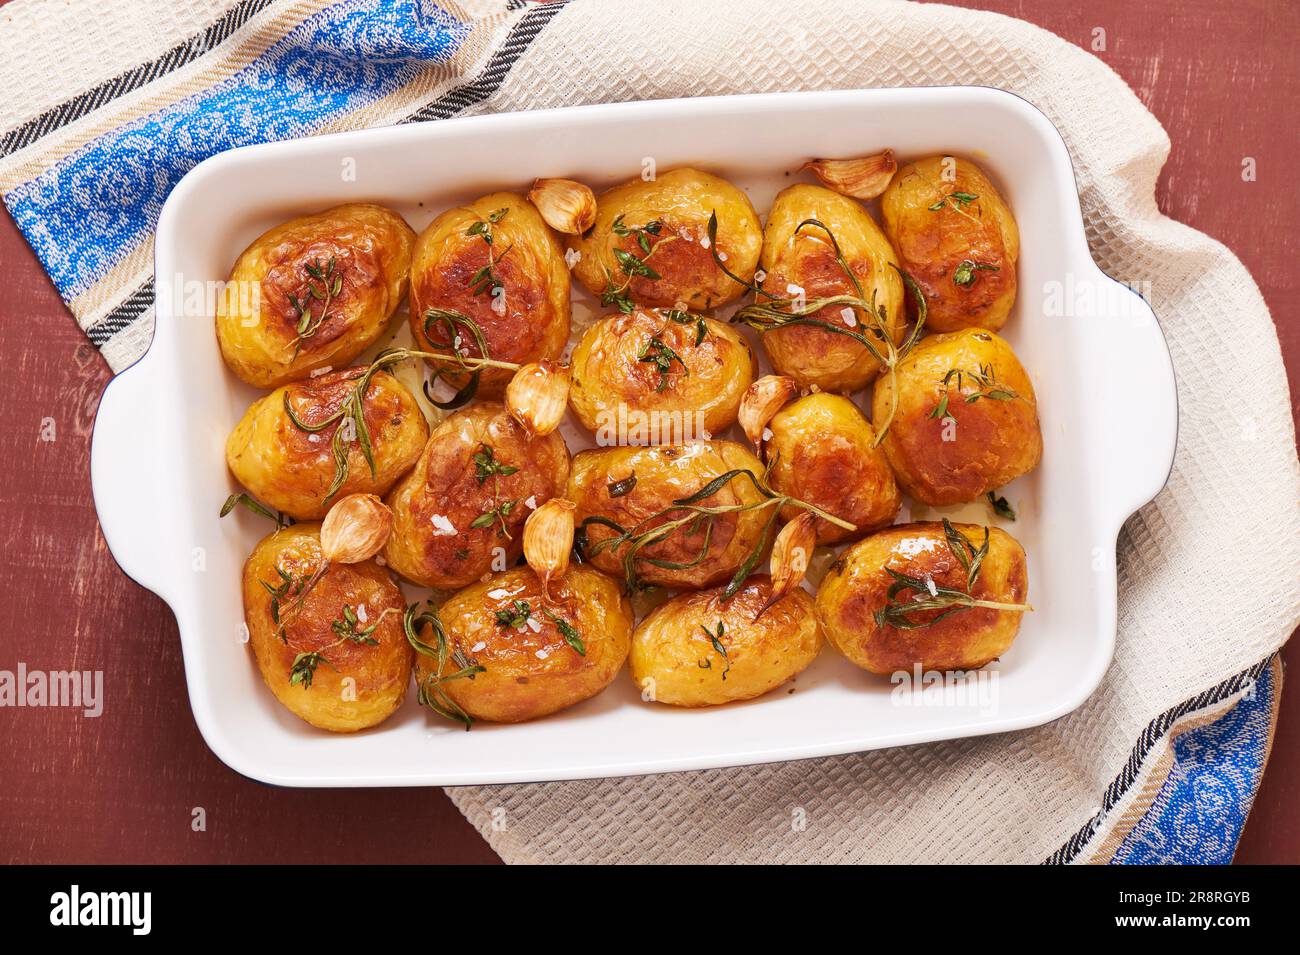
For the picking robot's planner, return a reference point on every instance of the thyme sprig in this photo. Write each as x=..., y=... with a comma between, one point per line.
x=963, y=275
x=303, y=669
x=659, y=353
x=487, y=466
x=431, y=690
x=985, y=381
x=958, y=200
x=519, y=612
x=715, y=638
x=781, y=312
x=927, y=595
x=631, y=265
x=323, y=284
x=697, y=519
x=485, y=280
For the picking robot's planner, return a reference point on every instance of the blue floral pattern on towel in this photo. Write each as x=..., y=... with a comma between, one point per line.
x=1199, y=813
x=85, y=214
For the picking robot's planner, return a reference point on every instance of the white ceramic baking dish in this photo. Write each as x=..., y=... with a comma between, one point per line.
x=1102, y=372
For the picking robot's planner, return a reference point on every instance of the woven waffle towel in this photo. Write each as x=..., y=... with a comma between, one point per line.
x=107, y=105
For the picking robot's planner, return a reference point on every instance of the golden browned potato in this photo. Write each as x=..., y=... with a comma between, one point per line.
x=537, y=654
x=292, y=469
x=821, y=452
x=636, y=489
x=314, y=292
x=650, y=244
x=967, y=419
x=330, y=646
x=878, y=633
x=700, y=649
x=800, y=264
x=458, y=514
x=670, y=375
x=957, y=238
x=496, y=262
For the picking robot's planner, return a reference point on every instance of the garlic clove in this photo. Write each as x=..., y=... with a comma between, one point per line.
x=355, y=529
x=791, y=552
x=863, y=178
x=548, y=540
x=760, y=403
x=538, y=395
x=567, y=206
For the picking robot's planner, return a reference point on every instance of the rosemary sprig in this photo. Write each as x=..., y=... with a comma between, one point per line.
x=352, y=407
x=256, y=506
x=985, y=381
x=927, y=595
x=623, y=487
x=323, y=284
x=431, y=691
x=779, y=312
x=716, y=640
x=697, y=519
x=631, y=265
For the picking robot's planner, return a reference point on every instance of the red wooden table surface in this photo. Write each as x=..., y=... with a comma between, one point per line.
x=1221, y=75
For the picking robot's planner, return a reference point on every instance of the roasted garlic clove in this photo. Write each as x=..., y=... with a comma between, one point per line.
x=791, y=552
x=548, y=540
x=567, y=206
x=760, y=403
x=538, y=395
x=355, y=529
x=863, y=178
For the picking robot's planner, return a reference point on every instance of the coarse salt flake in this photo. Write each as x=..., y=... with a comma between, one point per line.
x=542, y=654
x=498, y=593
x=572, y=257
x=850, y=319
x=442, y=527
x=322, y=370
x=361, y=612
x=477, y=647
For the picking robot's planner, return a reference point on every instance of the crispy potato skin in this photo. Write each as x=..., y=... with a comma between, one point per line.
x=931, y=244
x=291, y=470
x=682, y=201
x=533, y=324
x=822, y=453
x=444, y=483
x=806, y=259
x=664, y=474
x=530, y=673
x=380, y=673
x=672, y=652
x=608, y=372
x=371, y=247
x=991, y=443
x=856, y=587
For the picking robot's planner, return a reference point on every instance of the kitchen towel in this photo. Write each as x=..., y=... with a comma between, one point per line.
x=106, y=106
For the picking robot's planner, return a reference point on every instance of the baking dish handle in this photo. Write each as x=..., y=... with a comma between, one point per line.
x=125, y=477
x=1140, y=394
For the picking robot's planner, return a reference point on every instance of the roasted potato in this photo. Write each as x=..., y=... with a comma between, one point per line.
x=314, y=292
x=291, y=469
x=966, y=421
x=856, y=589
x=330, y=647
x=530, y=666
x=957, y=238
x=458, y=514
x=670, y=375
x=636, y=489
x=675, y=655
x=497, y=263
x=650, y=243
x=821, y=451
x=799, y=262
